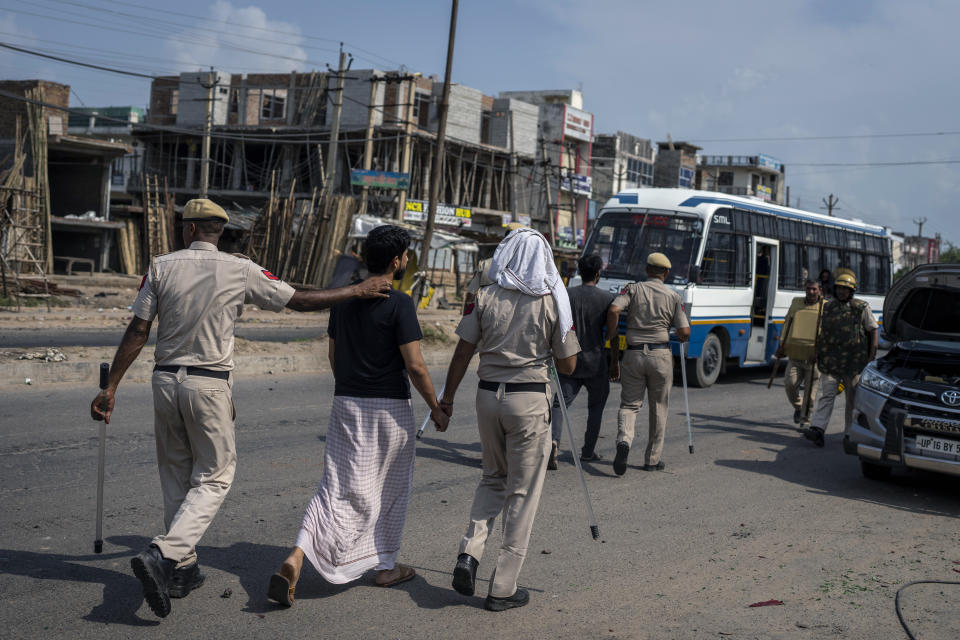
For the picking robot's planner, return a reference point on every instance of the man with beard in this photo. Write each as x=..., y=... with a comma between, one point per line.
x=195, y=296
x=848, y=341
x=355, y=521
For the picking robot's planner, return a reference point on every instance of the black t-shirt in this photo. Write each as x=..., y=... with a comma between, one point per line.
x=589, y=306
x=368, y=335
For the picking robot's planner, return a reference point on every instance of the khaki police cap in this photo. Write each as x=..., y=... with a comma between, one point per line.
x=658, y=260
x=513, y=226
x=203, y=209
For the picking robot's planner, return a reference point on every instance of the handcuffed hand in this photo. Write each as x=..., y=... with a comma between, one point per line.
x=102, y=406
x=440, y=419
x=614, y=370
x=374, y=287
x=447, y=407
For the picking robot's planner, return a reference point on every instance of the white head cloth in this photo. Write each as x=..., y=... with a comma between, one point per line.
x=524, y=262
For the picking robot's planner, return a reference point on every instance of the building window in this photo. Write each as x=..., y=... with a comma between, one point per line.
x=686, y=178
x=234, y=101
x=725, y=179
x=421, y=110
x=272, y=104
x=174, y=101
x=647, y=174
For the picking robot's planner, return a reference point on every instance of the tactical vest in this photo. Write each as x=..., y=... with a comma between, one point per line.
x=842, y=348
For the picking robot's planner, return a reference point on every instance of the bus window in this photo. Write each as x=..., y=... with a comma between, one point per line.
x=871, y=274
x=624, y=240
x=831, y=260
x=790, y=271
x=810, y=260
x=719, y=260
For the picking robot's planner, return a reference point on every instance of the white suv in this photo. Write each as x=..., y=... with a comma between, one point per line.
x=907, y=408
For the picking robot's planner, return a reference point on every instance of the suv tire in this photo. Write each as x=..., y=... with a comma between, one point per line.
x=874, y=471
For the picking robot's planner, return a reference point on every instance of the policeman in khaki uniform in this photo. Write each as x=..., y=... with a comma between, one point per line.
x=196, y=295
x=481, y=277
x=801, y=369
x=518, y=325
x=651, y=309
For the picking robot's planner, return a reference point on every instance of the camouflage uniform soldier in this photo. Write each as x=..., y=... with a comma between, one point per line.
x=847, y=342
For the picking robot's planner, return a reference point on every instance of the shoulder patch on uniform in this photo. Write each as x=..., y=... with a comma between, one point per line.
x=468, y=309
x=143, y=281
x=240, y=255
x=269, y=275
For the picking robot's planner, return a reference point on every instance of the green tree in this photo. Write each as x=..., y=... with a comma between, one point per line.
x=952, y=253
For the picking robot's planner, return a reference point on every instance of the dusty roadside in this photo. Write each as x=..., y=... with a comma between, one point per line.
x=103, y=303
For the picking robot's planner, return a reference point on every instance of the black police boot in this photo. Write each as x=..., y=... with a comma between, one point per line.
x=155, y=574
x=620, y=462
x=185, y=580
x=519, y=598
x=815, y=435
x=465, y=574
x=797, y=415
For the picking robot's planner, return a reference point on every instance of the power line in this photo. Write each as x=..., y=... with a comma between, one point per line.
x=834, y=137
x=200, y=42
x=904, y=163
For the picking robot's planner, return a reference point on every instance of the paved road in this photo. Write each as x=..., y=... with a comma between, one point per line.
x=756, y=514
x=17, y=338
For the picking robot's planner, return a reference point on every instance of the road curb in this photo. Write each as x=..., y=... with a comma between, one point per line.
x=312, y=362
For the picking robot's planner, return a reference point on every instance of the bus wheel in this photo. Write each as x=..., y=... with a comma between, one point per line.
x=705, y=370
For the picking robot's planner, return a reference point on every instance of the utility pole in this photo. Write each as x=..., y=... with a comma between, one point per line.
x=405, y=158
x=919, y=222
x=546, y=191
x=335, y=126
x=436, y=172
x=513, y=170
x=368, y=144
x=207, y=124
x=788, y=195
x=830, y=203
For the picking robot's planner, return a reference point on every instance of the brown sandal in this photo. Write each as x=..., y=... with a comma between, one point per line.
x=407, y=573
x=281, y=590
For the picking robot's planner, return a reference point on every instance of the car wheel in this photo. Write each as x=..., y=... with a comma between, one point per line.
x=874, y=471
x=705, y=370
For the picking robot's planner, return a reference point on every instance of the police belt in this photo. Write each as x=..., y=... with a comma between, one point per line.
x=648, y=345
x=194, y=371
x=514, y=387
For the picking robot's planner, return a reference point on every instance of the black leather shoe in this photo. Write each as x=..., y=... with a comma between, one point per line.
x=465, y=574
x=592, y=457
x=796, y=416
x=185, y=580
x=815, y=435
x=660, y=466
x=620, y=462
x=552, y=460
x=520, y=598
x=155, y=574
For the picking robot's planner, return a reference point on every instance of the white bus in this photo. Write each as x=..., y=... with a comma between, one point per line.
x=737, y=263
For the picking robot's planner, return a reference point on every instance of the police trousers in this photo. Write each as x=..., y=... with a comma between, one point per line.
x=797, y=371
x=515, y=438
x=196, y=456
x=828, y=393
x=650, y=371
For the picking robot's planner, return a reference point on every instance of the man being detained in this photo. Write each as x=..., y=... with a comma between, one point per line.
x=355, y=521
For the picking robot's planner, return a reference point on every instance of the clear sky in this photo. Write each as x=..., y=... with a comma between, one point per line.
x=713, y=73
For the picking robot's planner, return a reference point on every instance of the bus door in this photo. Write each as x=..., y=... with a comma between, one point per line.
x=765, y=268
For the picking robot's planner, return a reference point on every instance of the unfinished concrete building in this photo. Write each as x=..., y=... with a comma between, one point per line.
x=271, y=132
